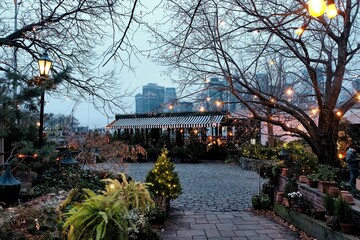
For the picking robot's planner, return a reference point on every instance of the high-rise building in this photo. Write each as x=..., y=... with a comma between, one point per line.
x=153, y=98
x=170, y=95
x=139, y=104
x=170, y=99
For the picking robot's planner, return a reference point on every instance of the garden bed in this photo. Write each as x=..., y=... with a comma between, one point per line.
x=314, y=227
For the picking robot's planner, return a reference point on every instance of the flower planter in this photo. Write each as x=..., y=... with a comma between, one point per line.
x=347, y=227
x=312, y=183
x=334, y=191
x=303, y=179
x=348, y=198
x=323, y=186
x=286, y=202
x=279, y=197
x=284, y=172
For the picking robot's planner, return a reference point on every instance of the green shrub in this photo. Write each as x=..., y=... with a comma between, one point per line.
x=343, y=211
x=261, y=201
x=58, y=177
x=327, y=173
x=329, y=204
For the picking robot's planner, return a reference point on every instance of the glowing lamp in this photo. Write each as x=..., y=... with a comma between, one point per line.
x=331, y=10
x=44, y=64
x=316, y=7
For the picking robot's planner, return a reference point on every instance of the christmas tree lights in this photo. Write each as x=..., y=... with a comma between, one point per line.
x=162, y=179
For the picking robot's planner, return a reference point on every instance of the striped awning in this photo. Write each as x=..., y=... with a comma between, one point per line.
x=167, y=122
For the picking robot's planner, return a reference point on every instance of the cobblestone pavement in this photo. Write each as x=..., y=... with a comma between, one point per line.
x=214, y=204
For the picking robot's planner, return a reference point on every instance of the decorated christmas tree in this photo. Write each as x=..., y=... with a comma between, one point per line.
x=163, y=180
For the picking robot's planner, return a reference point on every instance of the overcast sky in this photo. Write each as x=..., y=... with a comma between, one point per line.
x=145, y=72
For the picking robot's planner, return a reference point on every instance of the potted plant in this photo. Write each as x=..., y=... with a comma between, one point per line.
x=302, y=205
x=290, y=187
x=326, y=176
x=344, y=215
x=163, y=180
x=158, y=213
x=329, y=204
x=312, y=180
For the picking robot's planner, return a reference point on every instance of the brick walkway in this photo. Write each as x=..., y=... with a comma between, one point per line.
x=214, y=204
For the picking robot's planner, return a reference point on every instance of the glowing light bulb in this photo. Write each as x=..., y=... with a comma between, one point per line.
x=331, y=10
x=316, y=7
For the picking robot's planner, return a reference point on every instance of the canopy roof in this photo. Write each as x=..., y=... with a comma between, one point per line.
x=167, y=122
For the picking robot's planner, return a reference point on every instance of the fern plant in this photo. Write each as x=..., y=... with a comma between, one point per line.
x=98, y=217
x=133, y=194
x=118, y=213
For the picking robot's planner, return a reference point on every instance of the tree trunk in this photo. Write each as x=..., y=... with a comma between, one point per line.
x=271, y=138
x=1, y=151
x=327, y=136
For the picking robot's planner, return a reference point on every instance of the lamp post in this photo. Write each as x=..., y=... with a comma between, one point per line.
x=44, y=68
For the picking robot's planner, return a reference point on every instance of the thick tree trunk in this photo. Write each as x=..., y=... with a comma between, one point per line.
x=328, y=152
x=326, y=139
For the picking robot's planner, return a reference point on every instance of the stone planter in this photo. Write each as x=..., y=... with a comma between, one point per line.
x=286, y=202
x=284, y=172
x=348, y=198
x=312, y=183
x=334, y=191
x=323, y=186
x=279, y=197
x=347, y=228
x=303, y=179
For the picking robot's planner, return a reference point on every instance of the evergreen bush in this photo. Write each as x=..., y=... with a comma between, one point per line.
x=162, y=179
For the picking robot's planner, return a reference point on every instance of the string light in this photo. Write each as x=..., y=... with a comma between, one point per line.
x=331, y=10
x=300, y=30
x=316, y=7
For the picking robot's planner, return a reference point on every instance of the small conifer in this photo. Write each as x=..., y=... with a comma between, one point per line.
x=163, y=180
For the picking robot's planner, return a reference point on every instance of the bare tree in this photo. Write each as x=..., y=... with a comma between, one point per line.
x=81, y=36
x=240, y=40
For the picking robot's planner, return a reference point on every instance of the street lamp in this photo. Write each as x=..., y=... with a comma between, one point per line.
x=44, y=68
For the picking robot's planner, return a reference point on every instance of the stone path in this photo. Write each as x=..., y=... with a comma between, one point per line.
x=214, y=204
